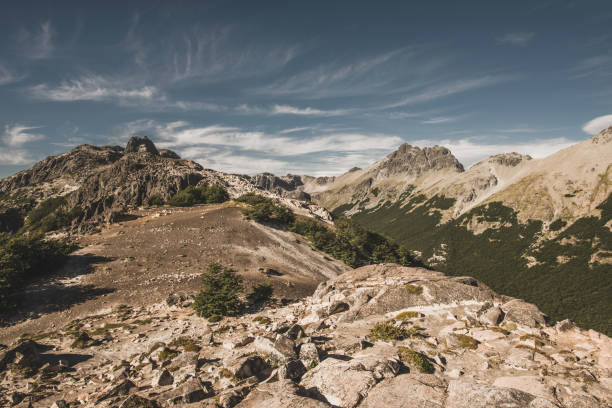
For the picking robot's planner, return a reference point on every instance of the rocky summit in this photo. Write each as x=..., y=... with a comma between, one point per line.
x=377, y=336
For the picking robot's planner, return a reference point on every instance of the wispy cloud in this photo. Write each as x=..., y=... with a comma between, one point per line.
x=39, y=43
x=450, y=88
x=296, y=130
x=124, y=92
x=7, y=77
x=341, y=78
x=251, y=149
x=92, y=88
x=597, y=124
x=12, y=143
x=291, y=110
x=518, y=38
x=599, y=65
x=17, y=135
x=437, y=120
x=219, y=52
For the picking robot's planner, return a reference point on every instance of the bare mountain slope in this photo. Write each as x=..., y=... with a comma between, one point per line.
x=163, y=252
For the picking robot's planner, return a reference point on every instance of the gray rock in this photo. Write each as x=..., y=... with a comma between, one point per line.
x=135, y=401
x=407, y=391
x=162, y=378
x=24, y=354
x=295, y=332
x=309, y=354
x=342, y=383
x=526, y=314
x=282, y=349
x=59, y=404
x=293, y=370
x=169, y=154
x=280, y=394
x=492, y=316
x=189, y=392
x=233, y=396
x=245, y=367
x=124, y=387
x=470, y=395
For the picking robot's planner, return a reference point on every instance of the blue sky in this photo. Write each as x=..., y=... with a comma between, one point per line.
x=302, y=87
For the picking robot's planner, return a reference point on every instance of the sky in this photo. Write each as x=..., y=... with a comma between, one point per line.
x=314, y=87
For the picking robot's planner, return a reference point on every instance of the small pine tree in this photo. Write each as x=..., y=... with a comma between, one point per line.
x=260, y=293
x=219, y=297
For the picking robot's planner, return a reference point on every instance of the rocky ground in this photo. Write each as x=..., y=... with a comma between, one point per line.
x=377, y=336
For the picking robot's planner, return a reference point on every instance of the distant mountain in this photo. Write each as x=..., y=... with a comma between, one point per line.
x=92, y=185
x=540, y=229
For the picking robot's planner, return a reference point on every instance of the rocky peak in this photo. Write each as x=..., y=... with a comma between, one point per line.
x=605, y=136
x=415, y=161
x=169, y=154
x=509, y=159
x=141, y=144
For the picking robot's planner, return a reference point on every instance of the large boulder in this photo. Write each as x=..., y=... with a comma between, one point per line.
x=470, y=395
x=280, y=394
x=342, y=383
x=407, y=390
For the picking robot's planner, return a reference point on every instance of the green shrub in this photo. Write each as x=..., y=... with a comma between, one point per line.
x=467, y=341
x=203, y=194
x=264, y=320
x=220, y=293
x=50, y=215
x=215, y=194
x=260, y=293
x=155, y=200
x=407, y=315
x=252, y=199
x=186, y=343
x=265, y=210
x=351, y=243
x=386, y=331
x=23, y=258
x=415, y=290
x=416, y=359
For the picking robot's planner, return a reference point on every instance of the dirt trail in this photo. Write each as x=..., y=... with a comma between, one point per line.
x=164, y=251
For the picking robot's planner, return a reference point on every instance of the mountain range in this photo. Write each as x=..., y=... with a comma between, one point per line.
x=539, y=229
x=502, y=297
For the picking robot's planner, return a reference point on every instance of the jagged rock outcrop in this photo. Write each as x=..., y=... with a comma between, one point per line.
x=286, y=186
x=169, y=154
x=414, y=161
x=141, y=144
x=404, y=337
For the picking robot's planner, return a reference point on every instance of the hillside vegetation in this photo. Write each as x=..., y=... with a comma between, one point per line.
x=347, y=241
x=23, y=258
x=567, y=277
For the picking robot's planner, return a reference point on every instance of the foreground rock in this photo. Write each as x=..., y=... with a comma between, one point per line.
x=379, y=336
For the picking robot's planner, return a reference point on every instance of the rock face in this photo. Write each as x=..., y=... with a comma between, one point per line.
x=141, y=144
x=447, y=342
x=413, y=161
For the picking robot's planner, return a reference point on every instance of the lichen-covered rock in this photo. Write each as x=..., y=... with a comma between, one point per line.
x=342, y=383
x=280, y=394
x=407, y=390
x=470, y=395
